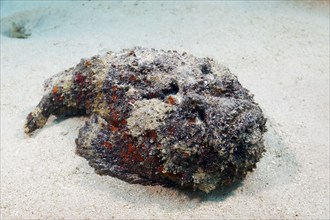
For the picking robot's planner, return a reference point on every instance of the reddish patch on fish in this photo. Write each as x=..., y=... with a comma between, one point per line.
x=55, y=90
x=87, y=63
x=170, y=100
x=79, y=78
x=114, y=129
x=132, y=78
x=107, y=145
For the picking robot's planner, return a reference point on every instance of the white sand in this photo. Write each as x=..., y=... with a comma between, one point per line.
x=279, y=50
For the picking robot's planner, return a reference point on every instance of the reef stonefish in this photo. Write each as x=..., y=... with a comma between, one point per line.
x=158, y=117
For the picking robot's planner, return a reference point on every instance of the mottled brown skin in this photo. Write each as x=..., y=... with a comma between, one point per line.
x=206, y=133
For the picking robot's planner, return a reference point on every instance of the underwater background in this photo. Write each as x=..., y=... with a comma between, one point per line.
x=278, y=49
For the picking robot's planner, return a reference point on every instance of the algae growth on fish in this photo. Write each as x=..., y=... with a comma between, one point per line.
x=158, y=117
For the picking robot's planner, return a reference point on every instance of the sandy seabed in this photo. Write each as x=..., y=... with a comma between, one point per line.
x=279, y=51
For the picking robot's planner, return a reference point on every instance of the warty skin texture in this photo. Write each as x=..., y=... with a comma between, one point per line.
x=158, y=117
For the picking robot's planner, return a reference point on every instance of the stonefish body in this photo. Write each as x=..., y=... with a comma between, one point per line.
x=158, y=117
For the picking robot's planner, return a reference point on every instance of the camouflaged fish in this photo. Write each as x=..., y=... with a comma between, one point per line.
x=158, y=117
